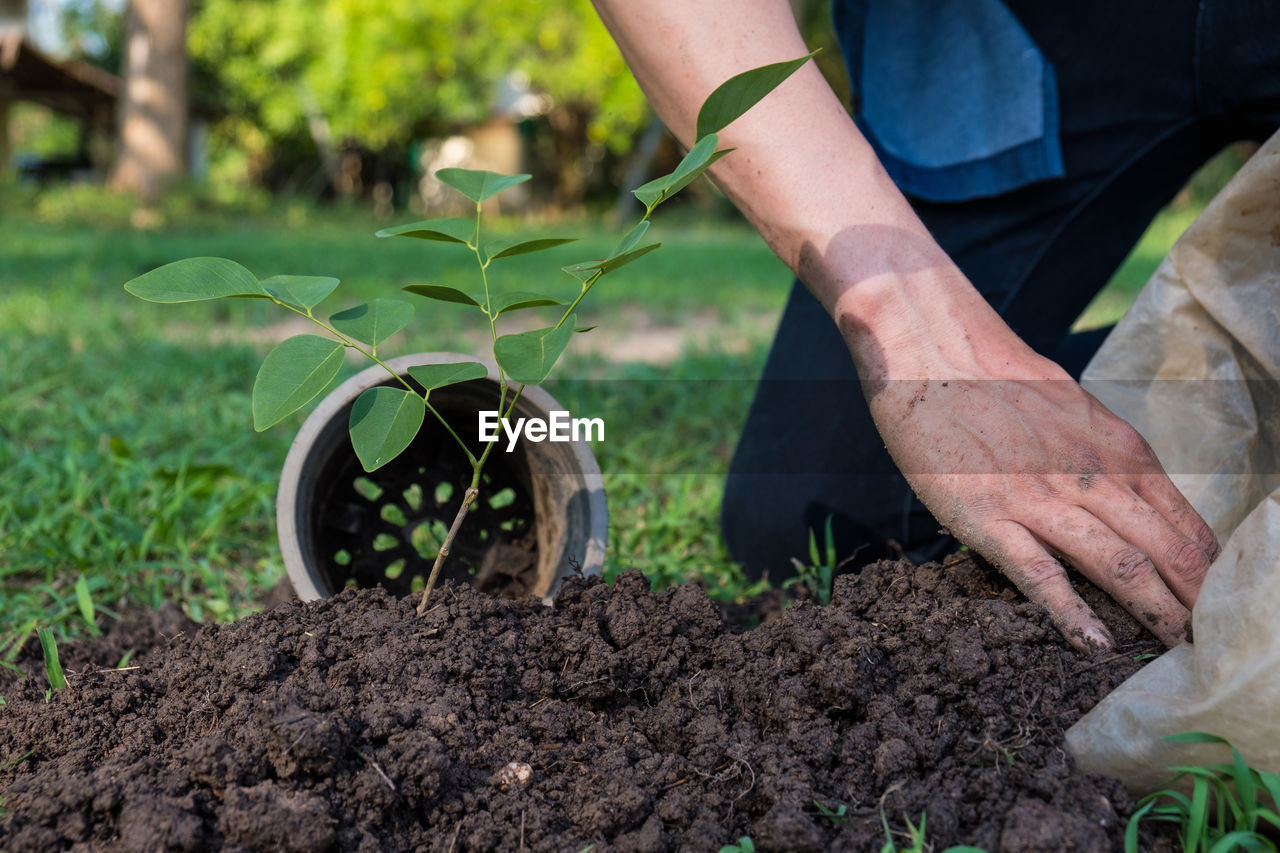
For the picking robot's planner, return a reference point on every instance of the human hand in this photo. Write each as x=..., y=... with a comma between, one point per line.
x=1010, y=454
x=1025, y=467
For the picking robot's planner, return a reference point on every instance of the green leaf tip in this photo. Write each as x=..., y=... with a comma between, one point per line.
x=743, y=91
x=444, y=293
x=196, y=280
x=511, y=248
x=433, y=376
x=517, y=300
x=374, y=321
x=450, y=230
x=500, y=303
x=479, y=185
x=300, y=291
x=585, y=270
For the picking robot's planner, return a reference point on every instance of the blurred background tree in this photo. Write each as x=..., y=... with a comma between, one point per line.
x=152, y=110
x=361, y=98
x=376, y=77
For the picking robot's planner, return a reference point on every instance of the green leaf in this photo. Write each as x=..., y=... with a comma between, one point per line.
x=633, y=237
x=478, y=185
x=195, y=280
x=85, y=602
x=374, y=321
x=1246, y=785
x=585, y=270
x=1241, y=839
x=451, y=230
x=52, y=666
x=384, y=421
x=697, y=161
x=1196, y=737
x=1271, y=782
x=300, y=291
x=443, y=293
x=741, y=92
x=518, y=299
x=528, y=357
x=580, y=330
x=700, y=156
x=433, y=376
x=292, y=375
x=1198, y=819
x=511, y=248
x=502, y=302
x=14, y=762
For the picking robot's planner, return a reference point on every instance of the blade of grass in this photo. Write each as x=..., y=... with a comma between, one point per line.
x=1196, y=834
x=85, y=601
x=52, y=666
x=12, y=762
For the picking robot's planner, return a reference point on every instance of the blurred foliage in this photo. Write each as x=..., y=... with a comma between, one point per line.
x=385, y=76
x=384, y=73
x=40, y=132
x=75, y=203
x=92, y=31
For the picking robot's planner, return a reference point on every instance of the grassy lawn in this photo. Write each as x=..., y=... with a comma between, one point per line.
x=126, y=453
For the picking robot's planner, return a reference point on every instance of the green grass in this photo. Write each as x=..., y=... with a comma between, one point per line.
x=1231, y=805
x=1109, y=305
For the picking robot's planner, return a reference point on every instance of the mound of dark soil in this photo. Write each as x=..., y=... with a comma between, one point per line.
x=620, y=718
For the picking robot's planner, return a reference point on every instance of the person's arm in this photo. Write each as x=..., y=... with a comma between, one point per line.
x=1017, y=460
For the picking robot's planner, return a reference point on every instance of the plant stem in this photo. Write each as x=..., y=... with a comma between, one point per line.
x=477, y=466
x=488, y=312
x=470, y=456
x=574, y=304
x=467, y=499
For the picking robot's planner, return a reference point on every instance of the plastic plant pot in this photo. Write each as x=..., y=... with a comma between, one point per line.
x=540, y=516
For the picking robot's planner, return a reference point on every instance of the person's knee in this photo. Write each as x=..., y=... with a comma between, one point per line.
x=754, y=518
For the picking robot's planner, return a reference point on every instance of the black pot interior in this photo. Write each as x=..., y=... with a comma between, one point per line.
x=385, y=527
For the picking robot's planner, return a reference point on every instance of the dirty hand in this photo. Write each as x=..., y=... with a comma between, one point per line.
x=1025, y=467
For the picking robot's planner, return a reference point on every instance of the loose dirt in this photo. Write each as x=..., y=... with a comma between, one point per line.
x=645, y=724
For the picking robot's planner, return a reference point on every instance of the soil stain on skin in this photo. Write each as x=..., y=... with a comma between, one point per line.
x=634, y=721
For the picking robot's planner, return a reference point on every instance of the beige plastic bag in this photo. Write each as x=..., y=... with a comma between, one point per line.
x=1195, y=367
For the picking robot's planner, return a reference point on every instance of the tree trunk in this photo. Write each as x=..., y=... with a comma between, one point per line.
x=153, y=106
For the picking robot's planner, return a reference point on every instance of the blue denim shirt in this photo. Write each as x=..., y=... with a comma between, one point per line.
x=954, y=96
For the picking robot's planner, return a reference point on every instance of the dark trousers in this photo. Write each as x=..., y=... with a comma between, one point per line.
x=1148, y=92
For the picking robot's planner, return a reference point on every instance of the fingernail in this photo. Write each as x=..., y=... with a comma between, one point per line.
x=1099, y=638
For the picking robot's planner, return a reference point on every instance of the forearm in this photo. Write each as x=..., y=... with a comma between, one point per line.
x=812, y=186
x=1022, y=471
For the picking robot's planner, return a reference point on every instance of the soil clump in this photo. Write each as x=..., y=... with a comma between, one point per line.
x=630, y=720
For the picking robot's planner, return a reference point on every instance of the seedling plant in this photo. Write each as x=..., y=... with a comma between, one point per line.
x=818, y=575
x=385, y=419
x=52, y=664
x=915, y=838
x=742, y=845
x=1232, y=806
